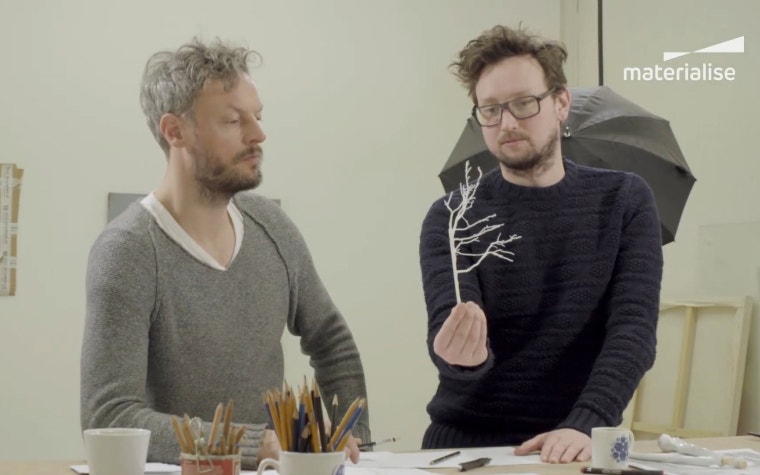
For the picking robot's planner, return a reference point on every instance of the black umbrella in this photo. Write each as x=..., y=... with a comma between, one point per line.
x=603, y=130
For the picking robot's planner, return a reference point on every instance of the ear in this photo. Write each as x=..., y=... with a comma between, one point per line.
x=562, y=104
x=173, y=130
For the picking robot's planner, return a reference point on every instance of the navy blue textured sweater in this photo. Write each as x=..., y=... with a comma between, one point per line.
x=571, y=322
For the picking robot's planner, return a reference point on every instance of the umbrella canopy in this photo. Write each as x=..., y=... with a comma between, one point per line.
x=603, y=130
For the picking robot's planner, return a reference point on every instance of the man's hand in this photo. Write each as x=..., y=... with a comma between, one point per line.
x=352, y=449
x=352, y=445
x=559, y=446
x=269, y=447
x=461, y=339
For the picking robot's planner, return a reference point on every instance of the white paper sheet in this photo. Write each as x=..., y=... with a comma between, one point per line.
x=498, y=456
x=353, y=470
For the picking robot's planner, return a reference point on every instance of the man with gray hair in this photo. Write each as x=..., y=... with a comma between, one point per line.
x=190, y=289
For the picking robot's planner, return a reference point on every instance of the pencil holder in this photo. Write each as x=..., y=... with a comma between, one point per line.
x=305, y=463
x=192, y=464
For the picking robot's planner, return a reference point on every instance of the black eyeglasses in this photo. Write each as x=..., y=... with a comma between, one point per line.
x=520, y=108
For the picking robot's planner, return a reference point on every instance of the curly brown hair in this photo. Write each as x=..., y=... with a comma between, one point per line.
x=502, y=42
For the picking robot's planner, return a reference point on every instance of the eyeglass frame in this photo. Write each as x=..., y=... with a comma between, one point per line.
x=505, y=106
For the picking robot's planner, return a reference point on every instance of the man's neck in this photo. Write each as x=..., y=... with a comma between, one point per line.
x=205, y=220
x=545, y=174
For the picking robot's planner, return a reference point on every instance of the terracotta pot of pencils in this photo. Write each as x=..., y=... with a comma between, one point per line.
x=217, y=454
x=210, y=465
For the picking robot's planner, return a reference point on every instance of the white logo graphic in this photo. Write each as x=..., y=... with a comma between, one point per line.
x=695, y=72
x=731, y=46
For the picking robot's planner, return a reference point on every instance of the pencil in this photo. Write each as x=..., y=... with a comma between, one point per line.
x=180, y=436
x=314, y=429
x=296, y=427
x=445, y=457
x=346, y=433
x=215, y=426
x=343, y=441
x=334, y=415
x=232, y=441
x=609, y=471
x=227, y=422
x=346, y=417
x=193, y=443
x=320, y=417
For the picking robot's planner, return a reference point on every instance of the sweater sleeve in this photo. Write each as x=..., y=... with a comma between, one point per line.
x=121, y=291
x=438, y=286
x=325, y=336
x=628, y=350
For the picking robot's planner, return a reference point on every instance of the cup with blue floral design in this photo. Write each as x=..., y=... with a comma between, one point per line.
x=611, y=447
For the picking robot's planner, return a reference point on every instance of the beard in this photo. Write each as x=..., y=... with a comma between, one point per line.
x=532, y=159
x=222, y=180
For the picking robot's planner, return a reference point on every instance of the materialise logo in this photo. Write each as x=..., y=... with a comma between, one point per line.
x=686, y=72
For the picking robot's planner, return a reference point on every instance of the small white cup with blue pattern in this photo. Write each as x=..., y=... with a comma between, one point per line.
x=610, y=447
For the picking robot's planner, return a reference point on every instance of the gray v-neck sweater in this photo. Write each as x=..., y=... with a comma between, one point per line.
x=166, y=334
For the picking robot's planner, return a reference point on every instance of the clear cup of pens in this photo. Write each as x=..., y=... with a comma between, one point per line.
x=307, y=439
x=217, y=453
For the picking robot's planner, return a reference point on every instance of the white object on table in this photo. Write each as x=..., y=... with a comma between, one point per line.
x=150, y=468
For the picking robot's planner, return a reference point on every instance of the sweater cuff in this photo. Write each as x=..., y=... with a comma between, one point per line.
x=249, y=446
x=361, y=431
x=465, y=373
x=583, y=420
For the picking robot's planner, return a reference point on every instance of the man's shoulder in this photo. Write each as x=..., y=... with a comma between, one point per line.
x=587, y=172
x=132, y=225
x=261, y=209
x=125, y=239
x=269, y=215
x=595, y=179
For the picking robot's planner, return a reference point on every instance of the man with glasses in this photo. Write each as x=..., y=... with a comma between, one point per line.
x=542, y=349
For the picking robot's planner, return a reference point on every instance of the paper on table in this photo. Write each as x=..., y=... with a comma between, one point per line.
x=160, y=468
x=498, y=456
x=353, y=470
x=150, y=468
x=751, y=456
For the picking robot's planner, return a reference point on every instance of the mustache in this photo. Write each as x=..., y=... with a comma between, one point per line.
x=255, y=150
x=512, y=136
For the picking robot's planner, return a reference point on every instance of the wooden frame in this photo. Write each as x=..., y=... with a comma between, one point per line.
x=730, y=394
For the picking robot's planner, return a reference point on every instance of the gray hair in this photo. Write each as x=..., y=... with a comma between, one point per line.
x=172, y=79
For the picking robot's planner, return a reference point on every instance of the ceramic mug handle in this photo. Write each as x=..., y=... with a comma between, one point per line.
x=266, y=463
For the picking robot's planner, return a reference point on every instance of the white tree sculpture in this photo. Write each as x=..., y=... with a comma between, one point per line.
x=462, y=232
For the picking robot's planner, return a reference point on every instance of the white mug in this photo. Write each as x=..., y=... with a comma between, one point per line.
x=297, y=463
x=116, y=451
x=611, y=447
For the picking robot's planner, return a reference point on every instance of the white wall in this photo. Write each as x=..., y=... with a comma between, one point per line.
x=361, y=114
x=716, y=251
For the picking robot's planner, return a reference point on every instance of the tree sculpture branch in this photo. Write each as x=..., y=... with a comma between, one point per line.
x=463, y=233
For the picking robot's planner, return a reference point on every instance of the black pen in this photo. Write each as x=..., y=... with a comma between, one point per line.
x=481, y=462
x=445, y=457
x=756, y=434
x=372, y=444
x=615, y=471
